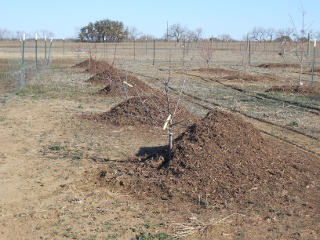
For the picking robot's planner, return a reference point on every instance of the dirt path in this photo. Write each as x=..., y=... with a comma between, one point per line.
x=26, y=178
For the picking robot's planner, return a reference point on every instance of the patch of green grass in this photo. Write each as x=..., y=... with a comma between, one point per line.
x=112, y=236
x=149, y=236
x=55, y=148
x=294, y=124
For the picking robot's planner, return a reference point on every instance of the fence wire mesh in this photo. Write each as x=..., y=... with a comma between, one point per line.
x=20, y=63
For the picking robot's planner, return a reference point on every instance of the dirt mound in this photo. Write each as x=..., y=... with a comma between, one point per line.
x=278, y=65
x=93, y=66
x=221, y=159
x=119, y=83
x=151, y=110
x=296, y=89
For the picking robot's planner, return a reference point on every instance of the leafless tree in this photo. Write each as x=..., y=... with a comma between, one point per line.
x=225, y=37
x=133, y=33
x=300, y=35
x=258, y=33
x=206, y=52
x=4, y=33
x=177, y=32
x=284, y=34
x=270, y=33
x=199, y=32
x=45, y=33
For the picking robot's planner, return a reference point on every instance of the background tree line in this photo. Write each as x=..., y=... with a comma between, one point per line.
x=115, y=31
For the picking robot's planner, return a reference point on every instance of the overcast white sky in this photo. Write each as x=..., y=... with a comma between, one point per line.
x=235, y=17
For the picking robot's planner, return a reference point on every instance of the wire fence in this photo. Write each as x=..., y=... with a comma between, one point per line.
x=236, y=53
x=21, y=62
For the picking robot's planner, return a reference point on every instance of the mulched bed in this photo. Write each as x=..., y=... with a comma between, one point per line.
x=279, y=65
x=227, y=74
x=296, y=89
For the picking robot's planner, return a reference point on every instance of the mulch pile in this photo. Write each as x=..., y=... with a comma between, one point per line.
x=116, y=82
x=148, y=110
x=223, y=160
x=93, y=66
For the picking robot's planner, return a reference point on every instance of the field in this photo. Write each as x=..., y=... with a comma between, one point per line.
x=81, y=159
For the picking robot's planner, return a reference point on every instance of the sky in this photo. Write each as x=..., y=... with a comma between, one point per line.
x=216, y=17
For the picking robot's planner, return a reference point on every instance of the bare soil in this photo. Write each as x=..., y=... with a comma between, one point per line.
x=82, y=165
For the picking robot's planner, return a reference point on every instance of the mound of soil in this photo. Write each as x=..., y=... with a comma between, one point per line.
x=93, y=66
x=121, y=84
x=297, y=89
x=151, y=110
x=278, y=65
x=221, y=159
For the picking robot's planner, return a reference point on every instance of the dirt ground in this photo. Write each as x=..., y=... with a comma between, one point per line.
x=74, y=165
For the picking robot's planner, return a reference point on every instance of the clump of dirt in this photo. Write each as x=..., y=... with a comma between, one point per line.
x=278, y=65
x=297, y=89
x=147, y=110
x=221, y=160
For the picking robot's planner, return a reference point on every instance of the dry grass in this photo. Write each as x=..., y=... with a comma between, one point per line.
x=196, y=226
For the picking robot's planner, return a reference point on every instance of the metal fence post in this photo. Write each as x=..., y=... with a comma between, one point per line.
x=22, y=62
x=314, y=56
x=36, y=38
x=45, y=48
x=134, y=49
x=154, y=51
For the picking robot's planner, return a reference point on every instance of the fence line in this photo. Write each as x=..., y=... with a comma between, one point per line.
x=260, y=52
x=21, y=62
